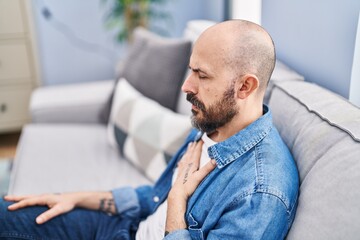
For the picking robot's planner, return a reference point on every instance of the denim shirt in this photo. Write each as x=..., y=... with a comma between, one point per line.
x=251, y=194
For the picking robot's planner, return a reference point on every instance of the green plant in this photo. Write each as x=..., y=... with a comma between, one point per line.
x=125, y=15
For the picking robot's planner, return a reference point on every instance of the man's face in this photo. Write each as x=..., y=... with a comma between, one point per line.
x=208, y=119
x=210, y=87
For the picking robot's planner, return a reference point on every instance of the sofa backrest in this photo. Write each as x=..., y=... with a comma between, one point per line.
x=322, y=130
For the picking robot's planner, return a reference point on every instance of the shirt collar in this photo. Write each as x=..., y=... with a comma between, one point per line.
x=234, y=147
x=208, y=142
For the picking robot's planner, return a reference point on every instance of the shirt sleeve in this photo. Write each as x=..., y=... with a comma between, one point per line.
x=134, y=202
x=255, y=216
x=126, y=201
x=178, y=234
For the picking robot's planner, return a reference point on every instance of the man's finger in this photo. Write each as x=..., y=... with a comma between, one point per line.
x=200, y=175
x=205, y=170
x=26, y=203
x=18, y=205
x=49, y=214
x=198, y=148
x=196, y=154
x=14, y=198
x=189, y=148
x=188, y=151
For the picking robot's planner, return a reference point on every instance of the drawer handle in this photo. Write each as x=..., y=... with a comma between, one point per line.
x=3, y=107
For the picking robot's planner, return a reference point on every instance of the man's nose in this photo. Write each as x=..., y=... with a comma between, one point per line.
x=189, y=85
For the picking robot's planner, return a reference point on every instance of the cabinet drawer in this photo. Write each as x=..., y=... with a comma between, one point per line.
x=14, y=63
x=14, y=104
x=11, y=21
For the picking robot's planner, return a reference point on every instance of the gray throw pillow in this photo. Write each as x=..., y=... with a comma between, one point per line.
x=145, y=133
x=156, y=67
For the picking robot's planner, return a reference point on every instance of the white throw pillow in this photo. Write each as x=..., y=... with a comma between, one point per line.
x=146, y=133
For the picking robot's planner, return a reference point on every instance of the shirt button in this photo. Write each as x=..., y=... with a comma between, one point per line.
x=156, y=199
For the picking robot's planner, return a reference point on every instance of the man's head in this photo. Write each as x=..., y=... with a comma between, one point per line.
x=231, y=65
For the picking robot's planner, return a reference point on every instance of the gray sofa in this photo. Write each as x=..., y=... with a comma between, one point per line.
x=66, y=148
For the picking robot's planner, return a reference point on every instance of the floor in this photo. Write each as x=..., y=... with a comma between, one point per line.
x=8, y=143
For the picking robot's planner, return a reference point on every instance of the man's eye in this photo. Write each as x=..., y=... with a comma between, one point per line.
x=202, y=77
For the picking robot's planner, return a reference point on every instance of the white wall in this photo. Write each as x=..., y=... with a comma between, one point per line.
x=246, y=9
x=354, y=95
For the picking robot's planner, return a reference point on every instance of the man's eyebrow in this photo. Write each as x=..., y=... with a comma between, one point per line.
x=197, y=70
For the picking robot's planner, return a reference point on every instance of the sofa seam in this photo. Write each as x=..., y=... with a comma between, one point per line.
x=319, y=115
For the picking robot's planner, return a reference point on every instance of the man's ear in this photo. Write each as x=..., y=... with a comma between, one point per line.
x=248, y=84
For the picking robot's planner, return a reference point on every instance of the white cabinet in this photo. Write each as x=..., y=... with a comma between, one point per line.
x=12, y=18
x=18, y=63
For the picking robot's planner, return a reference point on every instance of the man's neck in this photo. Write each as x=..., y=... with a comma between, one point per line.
x=243, y=119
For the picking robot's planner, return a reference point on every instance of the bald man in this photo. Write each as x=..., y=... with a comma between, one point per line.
x=233, y=178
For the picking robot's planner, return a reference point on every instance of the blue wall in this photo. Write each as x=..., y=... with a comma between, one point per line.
x=316, y=38
x=63, y=57
x=182, y=11
x=74, y=45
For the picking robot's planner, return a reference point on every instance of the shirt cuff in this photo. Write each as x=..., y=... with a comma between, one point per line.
x=126, y=201
x=178, y=234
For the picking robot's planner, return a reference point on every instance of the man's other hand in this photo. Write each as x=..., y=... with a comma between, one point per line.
x=57, y=203
x=188, y=178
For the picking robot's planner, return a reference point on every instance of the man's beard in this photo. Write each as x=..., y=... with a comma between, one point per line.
x=216, y=115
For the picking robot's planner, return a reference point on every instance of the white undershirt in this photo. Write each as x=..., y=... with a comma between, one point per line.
x=154, y=226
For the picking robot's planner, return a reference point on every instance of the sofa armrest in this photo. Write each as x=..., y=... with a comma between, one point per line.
x=71, y=103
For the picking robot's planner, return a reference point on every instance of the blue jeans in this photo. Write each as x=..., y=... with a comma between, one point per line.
x=77, y=224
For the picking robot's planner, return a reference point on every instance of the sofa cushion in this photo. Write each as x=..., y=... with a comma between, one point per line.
x=69, y=157
x=322, y=131
x=195, y=27
x=70, y=103
x=156, y=66
x=147, y=134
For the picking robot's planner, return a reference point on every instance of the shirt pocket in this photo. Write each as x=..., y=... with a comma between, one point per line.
x=194, y=228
